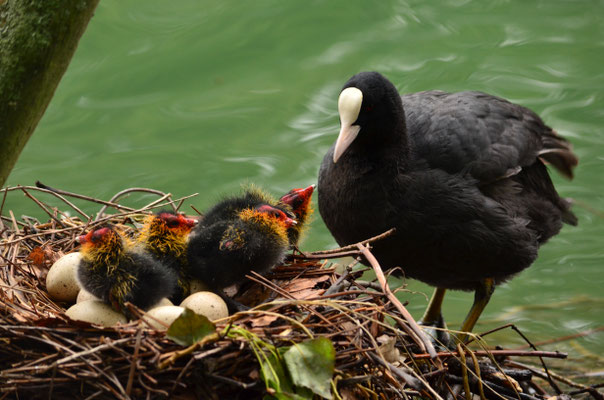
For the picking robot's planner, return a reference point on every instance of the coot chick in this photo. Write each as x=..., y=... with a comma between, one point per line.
x=222, y=254
x=251, y=197
x=116, y=272
x=461, y=177
x=230, y=206
x=299, y=202
x=165, y=235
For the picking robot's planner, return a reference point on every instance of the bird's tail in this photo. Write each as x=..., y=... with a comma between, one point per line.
x=558, y=152
x=568, y=217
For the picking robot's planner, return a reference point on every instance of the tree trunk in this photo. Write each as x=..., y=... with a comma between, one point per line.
x=37, y=40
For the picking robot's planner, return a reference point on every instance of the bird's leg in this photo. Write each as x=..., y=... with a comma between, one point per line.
x=433, y=312
x=433, y=318
x=481, y=298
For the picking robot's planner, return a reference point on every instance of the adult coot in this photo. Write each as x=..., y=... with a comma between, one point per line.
x=461, y=177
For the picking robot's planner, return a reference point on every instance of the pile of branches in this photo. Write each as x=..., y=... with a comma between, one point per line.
x=379, y=351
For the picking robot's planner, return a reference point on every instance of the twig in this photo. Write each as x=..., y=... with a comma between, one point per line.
x=126, y=191
x=355, y=245
x=134, y=360
x=43, y=207
x=422, y=340
x=400, y=372
x=78, y=196
x=503, y=353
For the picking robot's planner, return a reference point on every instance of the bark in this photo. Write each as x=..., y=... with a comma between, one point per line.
x=37, y=40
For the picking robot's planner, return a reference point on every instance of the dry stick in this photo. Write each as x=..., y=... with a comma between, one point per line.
x=562, y=379
x=137, y=211
x=34, y=235
x=407, y=378
x=42, y=206
x=549, y=379
x=531, y=345
x=355, y=246
x=134, y=359
x=81, y=354
x=591, y=389
x=57, y=195
x=338, y=284
x=564, y=338
x=196, y=210
x=504, y=353
x=126, y=191
x=464, y=372
x=256, y=277
x=312, y=256
x=2, y=208
x=415, y=330
x=477, y=369
x=40, y=185
x=213, y=337
x=14, y=220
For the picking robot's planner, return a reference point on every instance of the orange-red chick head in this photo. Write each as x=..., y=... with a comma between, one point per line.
x=175, y=221
x=102, y=246
x=98, y=237
x=276, y=214
x=299, y=201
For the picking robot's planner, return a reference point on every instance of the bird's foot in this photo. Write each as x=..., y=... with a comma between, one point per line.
x=438, y=334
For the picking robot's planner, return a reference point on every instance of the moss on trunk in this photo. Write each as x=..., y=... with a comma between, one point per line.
x=37, y=40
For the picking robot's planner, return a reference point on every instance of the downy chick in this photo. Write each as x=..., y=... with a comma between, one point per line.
x=117, y=272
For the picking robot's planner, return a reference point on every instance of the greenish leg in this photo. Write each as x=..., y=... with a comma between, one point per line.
x=433, y=321
x=481, y=299
x=433, y=313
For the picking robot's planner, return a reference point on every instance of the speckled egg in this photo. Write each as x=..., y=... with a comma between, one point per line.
x=61, y=282
x=208, y=304
x=163, y=302
x=165, y=314
x=95, y=312
x=84, y=295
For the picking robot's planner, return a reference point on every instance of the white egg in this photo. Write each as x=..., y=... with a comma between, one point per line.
x=165, y=314
x=61, y=281
x=197, y=286
x=208, y=304
x=163, y=302
x=84, y=295
x=95, y=312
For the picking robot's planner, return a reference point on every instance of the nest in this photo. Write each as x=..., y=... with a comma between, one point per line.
x=379, y=351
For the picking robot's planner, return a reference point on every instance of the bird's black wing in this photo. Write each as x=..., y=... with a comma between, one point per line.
x=473, y=133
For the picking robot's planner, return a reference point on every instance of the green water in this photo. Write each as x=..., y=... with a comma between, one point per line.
x=196, y=97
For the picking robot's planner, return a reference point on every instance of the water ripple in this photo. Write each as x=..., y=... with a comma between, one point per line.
x=87, y=102
x=266, y=164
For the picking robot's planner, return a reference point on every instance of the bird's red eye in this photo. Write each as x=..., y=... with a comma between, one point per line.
x=368, y=108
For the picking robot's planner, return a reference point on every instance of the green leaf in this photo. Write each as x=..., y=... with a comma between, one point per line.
x=311, y=365
x=273, y=371
x=190, y=328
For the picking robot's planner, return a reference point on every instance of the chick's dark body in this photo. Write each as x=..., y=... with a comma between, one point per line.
x=463, y=186
x=222, y=254
x=137, y=278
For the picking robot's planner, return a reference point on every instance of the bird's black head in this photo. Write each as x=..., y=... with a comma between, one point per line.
x=370, y=110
